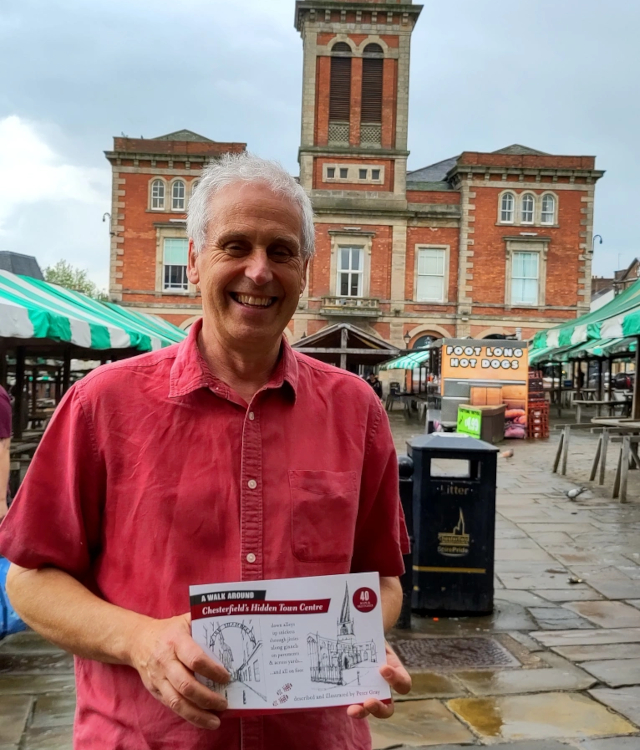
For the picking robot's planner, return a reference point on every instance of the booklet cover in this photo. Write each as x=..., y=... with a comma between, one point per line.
x=295, y=642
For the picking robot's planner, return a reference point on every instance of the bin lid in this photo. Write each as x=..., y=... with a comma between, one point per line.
x=451, y=441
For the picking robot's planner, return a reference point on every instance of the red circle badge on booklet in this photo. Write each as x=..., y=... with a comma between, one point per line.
x=365, y=599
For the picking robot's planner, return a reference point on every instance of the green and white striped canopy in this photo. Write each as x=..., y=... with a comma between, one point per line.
x=34, y=309
x=618, y=319
x=407, y=361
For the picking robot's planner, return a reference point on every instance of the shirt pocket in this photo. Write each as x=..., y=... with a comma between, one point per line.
x=324, y=508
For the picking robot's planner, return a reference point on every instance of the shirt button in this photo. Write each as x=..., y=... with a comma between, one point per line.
x=251, y=557
x=252, y=484
x=252, y=416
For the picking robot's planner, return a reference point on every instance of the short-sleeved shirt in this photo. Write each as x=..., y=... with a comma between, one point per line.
x=154, y=475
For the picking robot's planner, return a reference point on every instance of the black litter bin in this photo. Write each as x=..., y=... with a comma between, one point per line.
x=454, y=506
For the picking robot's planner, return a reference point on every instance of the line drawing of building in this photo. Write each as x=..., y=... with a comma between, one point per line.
x=241, y=654
x=330, y=658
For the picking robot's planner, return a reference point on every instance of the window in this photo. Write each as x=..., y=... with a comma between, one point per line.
x=375, y=174
x=175, y=264
x=344, y=173
x=506, y=208
x=177, y=196
x=430, y=287
x=157, y=195
x=525, y=274
x=350, y=267
x=548, y=215
x=340, y=93
x=362, y=173
x=331, y=172
x=528, y=206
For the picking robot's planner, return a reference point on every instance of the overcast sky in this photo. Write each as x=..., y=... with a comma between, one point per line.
x=561, y=76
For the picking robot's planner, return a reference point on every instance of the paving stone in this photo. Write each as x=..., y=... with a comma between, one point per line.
x=14, y=712
x=419, y=724
x=558, y=618
x=526, y=555
x=57, y=738
x=538, y=581
x=526, y=745
x=611, y=743
x=27, y=642
x=518, y=596
x=39, y=662
x=634, y=603
x=600, y=653
x=577, y=593
x=54, y=710
x=616, y=589
x=625, y=701
x=615, y=672
x=542, y=716
x=571, y=529
x=34, y=684
x=552, y=538
x=607, y=614
x=587, y=637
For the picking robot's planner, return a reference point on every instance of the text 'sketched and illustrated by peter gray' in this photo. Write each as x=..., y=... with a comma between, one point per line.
x=294, y=643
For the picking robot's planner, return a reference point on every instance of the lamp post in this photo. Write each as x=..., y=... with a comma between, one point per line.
x=407, y=339
x=593, y=242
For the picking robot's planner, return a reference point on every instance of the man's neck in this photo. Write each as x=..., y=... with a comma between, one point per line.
x=246, y=372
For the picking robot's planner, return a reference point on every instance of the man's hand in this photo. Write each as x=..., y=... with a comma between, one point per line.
x=397, y=676
x=166, y=657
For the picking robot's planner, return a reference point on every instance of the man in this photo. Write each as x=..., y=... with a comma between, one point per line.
x=227, y=457
x=375, y=383
x=5, y=441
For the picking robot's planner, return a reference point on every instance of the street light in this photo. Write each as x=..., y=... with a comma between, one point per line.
x=407, y=339
x=596, y=237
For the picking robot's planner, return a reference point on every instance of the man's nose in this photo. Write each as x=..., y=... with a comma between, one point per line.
x=258, y=268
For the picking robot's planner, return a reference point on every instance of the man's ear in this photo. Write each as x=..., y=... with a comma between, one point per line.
x=303, y=279
x=192, y=267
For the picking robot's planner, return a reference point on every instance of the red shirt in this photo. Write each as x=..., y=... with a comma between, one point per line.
x=154, y=475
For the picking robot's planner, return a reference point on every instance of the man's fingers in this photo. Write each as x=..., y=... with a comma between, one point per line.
x=397, y=677
x=184, y=708
x=184, y=683
x=195, y=659
x=371, y=707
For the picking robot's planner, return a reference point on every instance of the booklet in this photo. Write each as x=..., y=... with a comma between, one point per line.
x=294, y=642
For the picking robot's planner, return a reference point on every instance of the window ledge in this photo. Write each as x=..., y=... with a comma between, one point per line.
x=526, y=226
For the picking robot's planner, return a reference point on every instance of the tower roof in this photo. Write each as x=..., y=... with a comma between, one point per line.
x=345, y=614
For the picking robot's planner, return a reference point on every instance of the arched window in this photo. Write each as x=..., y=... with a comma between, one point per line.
x=371, y=117
x=528, y=208
x=177, y=196
x=506, y=208
x=157, y=195
x=423, y=341
x=340, y=93
x=548, y=214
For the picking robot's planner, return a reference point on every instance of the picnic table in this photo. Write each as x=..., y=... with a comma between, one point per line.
x=612, y=405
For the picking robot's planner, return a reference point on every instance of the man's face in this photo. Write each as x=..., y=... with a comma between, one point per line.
x=251, y=272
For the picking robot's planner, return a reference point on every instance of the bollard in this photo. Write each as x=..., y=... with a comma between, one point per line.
x=405, y=469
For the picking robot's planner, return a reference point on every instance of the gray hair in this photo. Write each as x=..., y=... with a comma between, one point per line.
x=246, y=167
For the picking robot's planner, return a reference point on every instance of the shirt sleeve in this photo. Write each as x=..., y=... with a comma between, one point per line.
x=55, y=517
x=381, y=535
x=5, y=414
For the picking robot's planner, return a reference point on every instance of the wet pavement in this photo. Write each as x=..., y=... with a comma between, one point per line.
x=555, y=667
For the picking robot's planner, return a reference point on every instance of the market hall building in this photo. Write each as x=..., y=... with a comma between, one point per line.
x=480, y=244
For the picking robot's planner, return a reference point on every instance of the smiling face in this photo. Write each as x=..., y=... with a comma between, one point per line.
x=251, y=272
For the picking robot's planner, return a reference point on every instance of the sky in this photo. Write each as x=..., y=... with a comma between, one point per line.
x=560, y=76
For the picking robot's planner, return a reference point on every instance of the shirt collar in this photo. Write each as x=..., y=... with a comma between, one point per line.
x=189, y=371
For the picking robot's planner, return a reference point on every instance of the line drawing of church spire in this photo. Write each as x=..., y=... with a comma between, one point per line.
x=345, y=623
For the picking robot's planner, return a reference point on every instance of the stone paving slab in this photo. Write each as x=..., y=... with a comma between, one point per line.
x=56, y=738
x=419, y=724
x=617, y=589
x=542, y=716
x=587, y=637
x=607, y=614
x=625, y=701
x=34, y=684
x=611, y=743
x=578, y=593
x=615, y=672
x=56, y=709
x=599, y=653
x=558, y=618
x=14, y=712
x=634, y=603
x=524, y=745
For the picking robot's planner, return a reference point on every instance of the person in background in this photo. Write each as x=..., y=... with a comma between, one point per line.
x=5, y=441
x=375, y=383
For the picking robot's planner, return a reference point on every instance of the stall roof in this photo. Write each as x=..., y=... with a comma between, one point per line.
x=34, y=309
x=408, y=361
x=619, y=318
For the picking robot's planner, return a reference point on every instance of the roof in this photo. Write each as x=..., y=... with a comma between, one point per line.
x=434, y=172
x=24, y=265
x=183, y=135
x=519, y=150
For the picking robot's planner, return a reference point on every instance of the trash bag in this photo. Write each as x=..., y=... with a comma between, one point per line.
x=10, y=623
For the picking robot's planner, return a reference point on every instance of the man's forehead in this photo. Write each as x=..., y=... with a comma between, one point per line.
x=243, y=196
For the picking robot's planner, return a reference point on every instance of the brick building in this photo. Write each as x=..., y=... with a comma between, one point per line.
x=481, y=244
